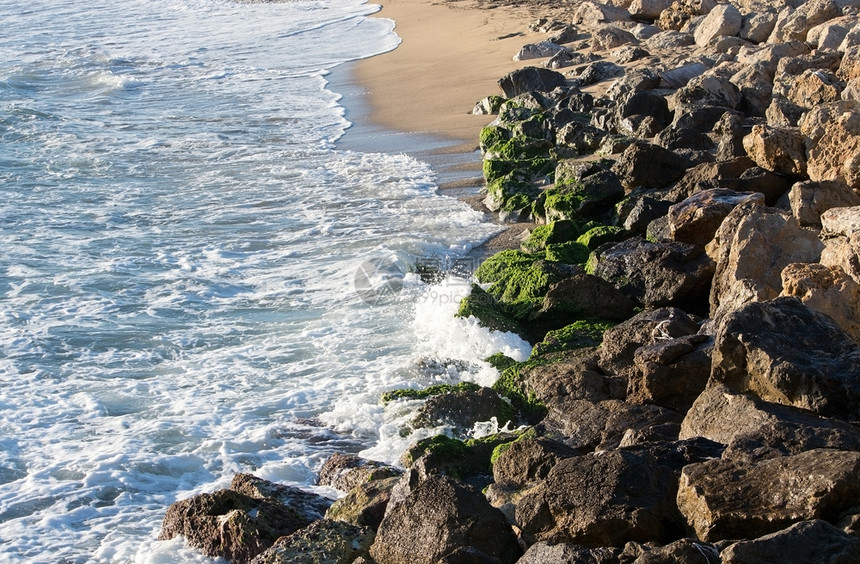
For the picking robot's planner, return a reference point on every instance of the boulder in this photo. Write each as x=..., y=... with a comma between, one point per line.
x=429, y=519
x=806, y=541
x=669, y=39
x=529, y=460
x=836, y=156
x=755, y=429
x=818, y=369
x=756, y=87
x=656, y=274
x=757, y=26
x=696, y=219
x=530, y=79
x=771, y=54
x=241, y=522
x=837, y=222
x=751, y=248
x=648, y=165
x=852, y=90
x=609, y=37
x=584, y=296
x=727, y=499
x=462, y=409
x=814, y=87
x=827, y=36
x=843, y=252
x=849, y=65
x=591, y=14
x=723, y=19
x=794, y=24
x=544, y=552
x=602, y=499
x=783, y=113
x=576, y=378
x=365, y=504
x=679, y=13
x=709, y=90
x=582, y=199
x=644, y=210
x=827, y=290
x=345, y=471
x=598, y=71
x=815, y=122
x=779, y=150
x=686, y=551
x=730, y=129
x=323, y=542
x=542, y=50
x=671, y=373
x=789, y=69
x=648, y=9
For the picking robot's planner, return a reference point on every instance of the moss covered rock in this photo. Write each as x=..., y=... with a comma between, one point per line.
x=518, y=277
x=560, y=231
x=602, y=234
x=488, y=311
x=577, y=335
x=423, y=393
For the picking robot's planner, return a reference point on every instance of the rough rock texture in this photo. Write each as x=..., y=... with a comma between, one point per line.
x=837, y=222
x=346, y=471
x=322, y=542
x=672, y=373
x=696, y=219
x=645, y=164
x=241, y=522
x=811, y=199
x=751, y=248
x=365, y=504
x=837, y=155
x=529, y=460
x=530, y=79
x=725, y=499
x=808, y=541
x=431, y=518
x=818, y=369
x=756, y=429
x=794, y=24
x=779, y=150
x=827, y=290
x=584, y=296
x=461, y=409
x=656, y=274
x=843, y=252
x=724, y=19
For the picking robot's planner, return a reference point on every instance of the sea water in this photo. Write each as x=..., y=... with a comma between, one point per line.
x=196, y=280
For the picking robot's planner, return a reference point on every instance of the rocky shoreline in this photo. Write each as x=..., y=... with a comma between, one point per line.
x=692, y=291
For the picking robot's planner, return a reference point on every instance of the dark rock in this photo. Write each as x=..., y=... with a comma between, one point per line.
x=583, y=200
x=709, y=90
x=707, y=176
x=598, y=72
x=323, y=542
x=630, y=54
x=345, y=471
x=699, y=116
x=530, y=79
x=672, y=373
x=731, y=129
x=657, y=274
x=726, y=499
x=233, y=525
x=604, y=499
x=583, y=296
x=696, y=219
x=674, y=137
x=807, y=541
x=577, y=378
x=546, y=552
x=756, y=179
x=648, y=165
x=529, y=460
x=365, y=504
x=580, y=137
x=817, y=369
x=783, y=113
x=309, y=505
x=645, y=103
x=645, y=210
x=462, y=410
x=432, y=518
x=686, y=551
x=755, y=429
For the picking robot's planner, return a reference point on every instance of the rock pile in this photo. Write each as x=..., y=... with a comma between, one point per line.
x=693, y=292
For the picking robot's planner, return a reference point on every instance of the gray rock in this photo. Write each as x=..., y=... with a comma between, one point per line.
x=808, y=541
x=530, y=79
x=462, y=410
x=648, y=165
x=542, y=50
x=545, y=552
x=724, y=19
x=345, y=471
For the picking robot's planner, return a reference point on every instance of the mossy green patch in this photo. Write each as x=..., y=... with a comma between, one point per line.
x=500, y=361
x=560, y=231
x=577, y=335
x=459, y=459
x=517, y=277
x=567, y=253
x=422, y=393
x=493, y=135
x=511, y=385
x=601, y=234
x=525, y=435
x=488, y=311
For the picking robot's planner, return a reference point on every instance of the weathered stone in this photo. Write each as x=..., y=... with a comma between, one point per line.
x=757, y=26
x=679, y=13
x=843, y=252
x=530, y=79
x=852, y=39
x=724, y=19
x=771, y=54
x=237, y=526
x=671, y=373
x=583, y=296
x=837, y=155
x=431, y=518
x=669, y=39
x=840, y=221
x=827, y=36
x=645, y=164
x=656, y=274
x=724, y=499
x=589, y=500
x=731, y=129
x=645, y=210
x=648, y=9
x=814, y=87
x=806, y=541
x=811, y=199
x=365, y=504
x=696, y=219
x=817, y=121
x=462, y=409
x=852, y=90
x=756, y=87
x=309, y=505
x=793, y=25
x=849, y=65
x=755, y=429
x=818, y=369
x=827, y=290
x=751, y=247
x=629, y=54
x=610, y=37
x=578, y=378
x=591, y=14
x=783, y=113
x=323, y=542
x=529, y=460
x=709, y=90
x=598, y=71
x=545, y=552
x=345, y=471
x=686, y=551
x=542, y=50
x=565, y=34
x=780, y=150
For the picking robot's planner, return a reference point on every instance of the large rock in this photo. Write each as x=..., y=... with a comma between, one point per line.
x=807, y=541
x=696, y=219
x=584, y=296
x=323, y=542
x=755, y=429
x=751, y=248
x=645, y=164
x=724, y=19
x=817, y=369
x=837, y=155
x=462, y=409
x=430, y=519
x=780, y=150
x=656, y=274
x=364, y=505
x=757, y=26
x=810, y=199
x=794, y=25
x=529, y=460
x=609, y=37
x=530, y=79
x=818, y=120
x=814, y=87
x=542, y=50
x=709, y=90
x=241, y=522
x=843, y=252
x=827, y=290
x=726, y=499
x=345, y=471
x=671, y=373
x=648, y=9
x=545, y=552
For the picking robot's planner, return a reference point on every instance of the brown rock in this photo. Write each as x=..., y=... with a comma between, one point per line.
x=751, y=247
x=723, y=499
x=837, y=155
x=645, y=164
x=696, y=219
x=757, y=26
x=814, y=87
x=807, y=541
x=827, y=290
x=840, y=222
x=811, y=199
x=815, y=122
x=843, y=252
x=849, y=66
x=793, y=25
x=364, y=505
x=672, y=373
x=609, y=37
x=704, y=176
x=817, y=369
x=529, y=460
x=322, y=542
x=583, y=296
x=779, y=150
x=829, y=35
x=724, y=19
x=346, y=471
